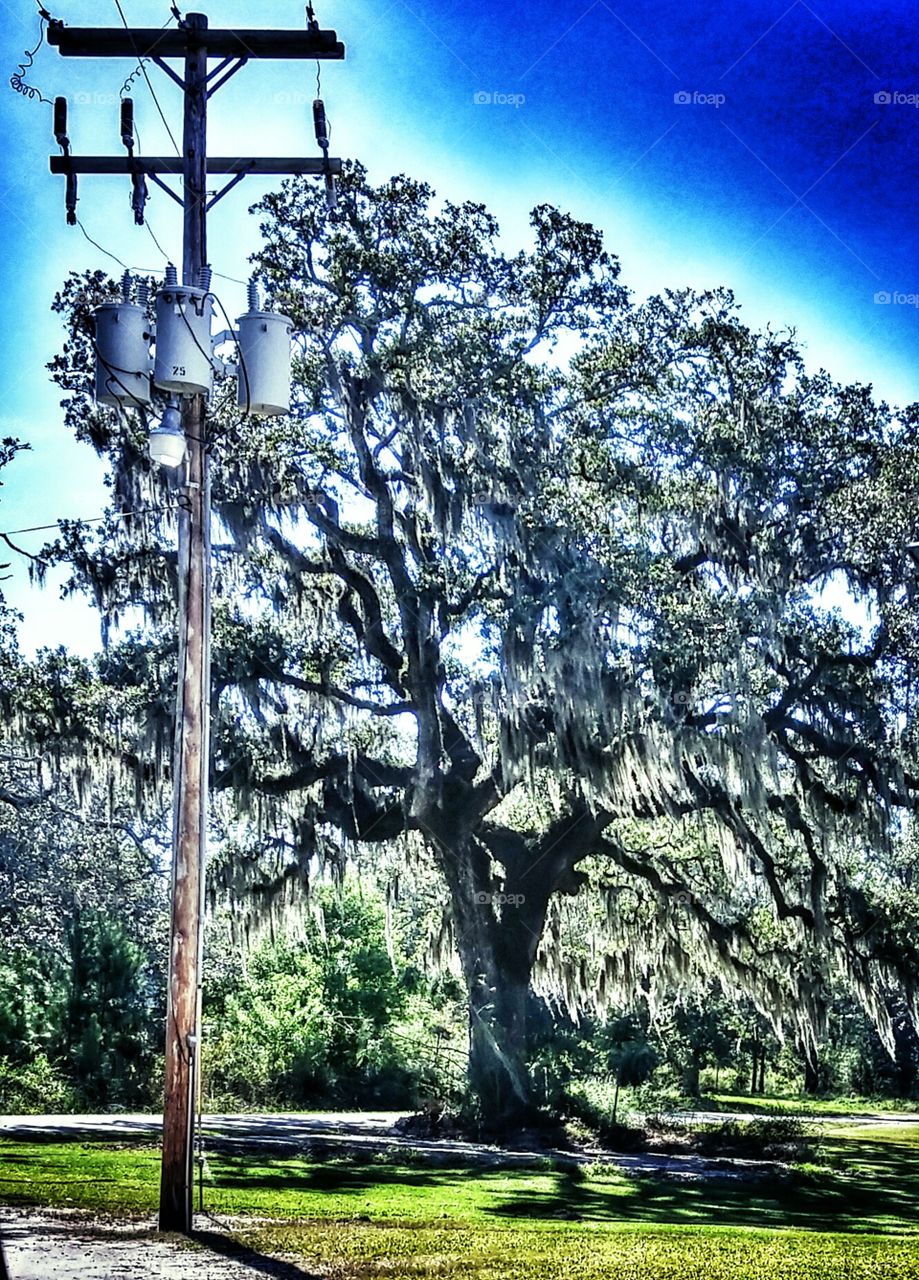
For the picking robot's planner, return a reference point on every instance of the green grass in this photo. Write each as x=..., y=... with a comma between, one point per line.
x=518, y=1253
x=854, y=1216
x=806, y=1106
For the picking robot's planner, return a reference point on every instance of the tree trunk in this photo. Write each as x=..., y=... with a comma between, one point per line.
x=811, y=1076
x=762, y=1070
x=691, y=1075
x=497, y=1068
x=498, y=922
x=753, y=1056
x=616, y=1095
x=497, y=934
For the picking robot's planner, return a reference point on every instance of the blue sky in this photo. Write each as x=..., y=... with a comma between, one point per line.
x=769, y=147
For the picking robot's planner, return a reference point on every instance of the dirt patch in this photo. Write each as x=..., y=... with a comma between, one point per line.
x=57, y=1245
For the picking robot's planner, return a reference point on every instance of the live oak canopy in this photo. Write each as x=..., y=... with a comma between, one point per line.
x=531, y=575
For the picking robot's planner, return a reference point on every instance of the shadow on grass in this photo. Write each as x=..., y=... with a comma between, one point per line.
x=260, y=1263
x=339, y=1177
x=874, y=1188
x=876, y=1191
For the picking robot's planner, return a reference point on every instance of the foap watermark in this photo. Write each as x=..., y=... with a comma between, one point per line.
x=896, y=98
x=686, y=99
x=484, y=98
x=896, y=298
x=96, y=99
x=500, y=899
x=292, y=98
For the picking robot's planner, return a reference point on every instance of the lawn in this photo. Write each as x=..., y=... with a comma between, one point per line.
x=766, y=1104
x=853, y=1215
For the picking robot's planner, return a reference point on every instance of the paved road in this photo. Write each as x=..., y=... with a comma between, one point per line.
x=350, y=1133
x=285, y=1127
x=355, y=1130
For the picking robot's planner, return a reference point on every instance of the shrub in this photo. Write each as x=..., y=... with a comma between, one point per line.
x=777, y=1137
x=34, y=1088
x=323, y=1017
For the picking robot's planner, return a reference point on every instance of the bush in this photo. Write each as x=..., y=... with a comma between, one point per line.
x=34, y=1088
x=322, y=1018
x=590, y=1102
x=777, y=1137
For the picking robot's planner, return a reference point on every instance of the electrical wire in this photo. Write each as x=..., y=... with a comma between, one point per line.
x=113, y=371
x=154, y=270
x=313, y=25
x=146, y=222
x=209, y=356
x=155, y=241
x=220, y=274
x=18, y=84
x=138, y=70
x=116, y=515
x=239, y=351
x=98, y=246
x=114, y=256
x=129, y=80
x=143, y=69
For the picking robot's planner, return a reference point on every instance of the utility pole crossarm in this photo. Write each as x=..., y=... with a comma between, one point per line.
x=177, y=42
x=314, y=165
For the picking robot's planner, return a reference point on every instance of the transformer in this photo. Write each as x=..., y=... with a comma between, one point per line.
x=184, y=362
x=122, y=355
x=263, y=378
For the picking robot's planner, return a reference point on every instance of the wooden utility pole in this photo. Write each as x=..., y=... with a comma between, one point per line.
x=191, y=756
x=195, y=43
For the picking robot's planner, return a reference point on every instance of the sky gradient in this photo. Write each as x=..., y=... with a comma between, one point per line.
x=767, y=147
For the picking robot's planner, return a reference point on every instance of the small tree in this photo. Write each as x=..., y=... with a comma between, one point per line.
x=633, y=1064
x=105, y=1034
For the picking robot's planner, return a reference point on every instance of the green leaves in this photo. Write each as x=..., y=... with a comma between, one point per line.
x=314, y=1015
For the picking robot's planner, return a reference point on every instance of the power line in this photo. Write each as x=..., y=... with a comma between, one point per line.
x=114, y=256
x=155, y=241
x=18, y=84
x=220, y=274
x=138, y=70
x=235, y=279
x=148, y=270
x=114, y=515
x=147, y=78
